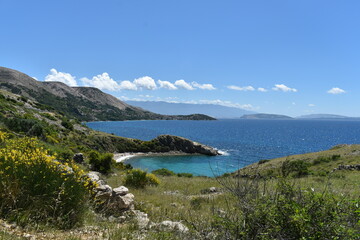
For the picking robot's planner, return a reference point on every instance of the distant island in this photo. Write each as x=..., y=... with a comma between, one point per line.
x=323, y=116
x=265, y=116
x=171, y=108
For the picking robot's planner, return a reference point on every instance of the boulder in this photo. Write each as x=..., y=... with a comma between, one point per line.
x=141, y=218
x=94, y=176
x=172, y=226
x=121, y=203
x=122, y=191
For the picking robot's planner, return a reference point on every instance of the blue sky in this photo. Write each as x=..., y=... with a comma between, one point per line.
x=272, y=56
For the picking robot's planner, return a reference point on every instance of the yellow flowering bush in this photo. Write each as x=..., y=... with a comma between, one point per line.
x=35, y=187
x=139, y=178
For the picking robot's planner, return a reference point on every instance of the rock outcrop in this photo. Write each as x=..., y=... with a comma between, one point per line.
x=175, y=143
x=111, y=201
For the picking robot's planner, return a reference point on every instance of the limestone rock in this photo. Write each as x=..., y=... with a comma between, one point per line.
x=121, y=190
x=141, y=219
x=172, y=226
x=124, y=202
x=94, y=176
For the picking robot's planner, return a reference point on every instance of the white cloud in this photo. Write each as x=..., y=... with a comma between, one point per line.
x=336, y=90
x=226, y=103
x=246, y=88
x=284, y=88
x=56, y=76
x=311, y=105
x=167, y=85
x=146, y=96
x=184, y=85
x=102, y=81
x=127, y=85
x=206, y=86
x=35, y=78
x=260, y=89
x=145, y=82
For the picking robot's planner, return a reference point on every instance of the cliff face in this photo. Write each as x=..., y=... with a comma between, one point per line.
x=83, y=103
x=185, y=145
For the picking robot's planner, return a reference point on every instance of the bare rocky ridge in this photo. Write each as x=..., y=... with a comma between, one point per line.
x=83, y=103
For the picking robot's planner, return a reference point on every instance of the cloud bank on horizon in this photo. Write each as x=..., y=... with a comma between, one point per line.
x=105, y=82
x=146, y=83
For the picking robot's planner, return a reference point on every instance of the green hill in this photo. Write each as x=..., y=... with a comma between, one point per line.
x=82, y=103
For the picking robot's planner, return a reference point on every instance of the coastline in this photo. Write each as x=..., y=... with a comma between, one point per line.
x=121, y=157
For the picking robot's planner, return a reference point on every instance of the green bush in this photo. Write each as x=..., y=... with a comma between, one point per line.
x=101, y=162
x=67, y=124
x=263, y=161
x=139, y=179
x=297, y=168
x=188, y=175
x=163, y=172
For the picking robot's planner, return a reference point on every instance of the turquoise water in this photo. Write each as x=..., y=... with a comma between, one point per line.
x=243, y=141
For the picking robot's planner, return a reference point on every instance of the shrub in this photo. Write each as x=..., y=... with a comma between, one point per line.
x=188, y=175
x=139, y=179
x=100, y=162
x=152, y=179
x=67, y=124
x=163, y=172
x=263, y=161
x=297, y=168
x=35, y=188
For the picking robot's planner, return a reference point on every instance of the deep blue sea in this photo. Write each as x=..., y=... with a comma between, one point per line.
x=243, y=141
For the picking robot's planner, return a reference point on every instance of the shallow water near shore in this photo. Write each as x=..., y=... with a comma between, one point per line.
x=242, y=141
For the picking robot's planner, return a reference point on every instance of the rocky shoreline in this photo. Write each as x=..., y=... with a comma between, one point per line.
x=178, y=146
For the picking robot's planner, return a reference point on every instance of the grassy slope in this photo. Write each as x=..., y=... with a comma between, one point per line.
x=319, y=162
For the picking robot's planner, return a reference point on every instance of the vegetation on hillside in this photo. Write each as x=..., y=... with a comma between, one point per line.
x=296, y=197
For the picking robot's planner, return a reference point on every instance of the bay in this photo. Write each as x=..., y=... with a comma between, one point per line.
x=242, y=141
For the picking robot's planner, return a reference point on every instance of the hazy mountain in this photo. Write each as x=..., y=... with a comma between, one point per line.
x=265, y=116
x=216, y=111
x=83, y=103
x=322, y=116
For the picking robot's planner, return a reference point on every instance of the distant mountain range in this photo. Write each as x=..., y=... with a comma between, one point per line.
x=83, y=103
x=216, y=111
x=265, y=116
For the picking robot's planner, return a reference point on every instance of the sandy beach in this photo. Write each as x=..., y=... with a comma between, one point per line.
x=120, y=157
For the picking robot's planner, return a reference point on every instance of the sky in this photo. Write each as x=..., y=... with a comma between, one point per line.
x=269, y=56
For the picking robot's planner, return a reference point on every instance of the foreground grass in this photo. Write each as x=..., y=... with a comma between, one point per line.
x=182, y=199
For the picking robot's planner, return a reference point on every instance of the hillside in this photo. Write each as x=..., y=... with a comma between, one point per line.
x=317, y=164
x=82, y=103
x=167, y=108
x=23, y=116
x=265, y=116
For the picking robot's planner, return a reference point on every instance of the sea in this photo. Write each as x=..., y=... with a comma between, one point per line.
x=241, y=141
